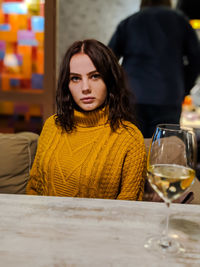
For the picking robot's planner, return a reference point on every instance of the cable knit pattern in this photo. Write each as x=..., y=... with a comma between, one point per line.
x=91, y=162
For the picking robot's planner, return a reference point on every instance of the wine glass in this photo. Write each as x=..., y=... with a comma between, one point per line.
x=170, y=171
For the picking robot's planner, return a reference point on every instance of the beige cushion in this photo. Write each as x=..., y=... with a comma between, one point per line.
x=17, y=153
x=195, y=188
x=147, y=142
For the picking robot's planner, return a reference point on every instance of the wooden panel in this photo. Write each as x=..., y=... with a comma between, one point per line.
x=50, y=58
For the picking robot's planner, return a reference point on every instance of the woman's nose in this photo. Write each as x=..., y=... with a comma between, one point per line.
x=86, y=86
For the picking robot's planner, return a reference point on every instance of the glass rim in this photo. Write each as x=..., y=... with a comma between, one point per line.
x=174, y=127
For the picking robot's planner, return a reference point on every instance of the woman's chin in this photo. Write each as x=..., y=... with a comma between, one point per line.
x=88, y=107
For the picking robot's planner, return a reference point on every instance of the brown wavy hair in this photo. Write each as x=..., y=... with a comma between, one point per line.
x=106, y=63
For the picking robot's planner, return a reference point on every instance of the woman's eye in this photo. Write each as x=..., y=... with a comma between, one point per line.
x=95, y=76
x=74, y=78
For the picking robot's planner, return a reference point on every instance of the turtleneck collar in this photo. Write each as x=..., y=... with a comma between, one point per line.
x=91, y=118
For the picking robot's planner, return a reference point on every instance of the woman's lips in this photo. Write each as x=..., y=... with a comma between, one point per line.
x=87, y=100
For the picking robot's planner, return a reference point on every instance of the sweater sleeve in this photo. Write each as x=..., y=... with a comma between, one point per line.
x=37, y=183
x=134, y=170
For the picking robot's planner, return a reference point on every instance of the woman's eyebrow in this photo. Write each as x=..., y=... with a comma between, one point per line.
x=89, y=73
x=73, y=73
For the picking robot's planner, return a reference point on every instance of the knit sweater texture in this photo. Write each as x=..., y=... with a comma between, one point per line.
x=91, y=162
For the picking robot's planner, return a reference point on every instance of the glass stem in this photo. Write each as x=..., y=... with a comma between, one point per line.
x=165, y=241
x=166, y=233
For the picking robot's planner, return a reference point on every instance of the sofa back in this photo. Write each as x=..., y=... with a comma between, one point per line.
x=17, y=152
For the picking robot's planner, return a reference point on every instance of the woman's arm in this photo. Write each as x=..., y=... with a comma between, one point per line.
x=37, y=184
x=134, y=171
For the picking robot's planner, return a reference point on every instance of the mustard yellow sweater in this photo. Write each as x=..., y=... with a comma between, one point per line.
x=91, y=162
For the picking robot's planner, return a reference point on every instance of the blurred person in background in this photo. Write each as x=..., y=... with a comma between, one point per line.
x=161, y=57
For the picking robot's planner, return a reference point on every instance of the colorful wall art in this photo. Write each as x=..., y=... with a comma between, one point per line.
x=21, y=44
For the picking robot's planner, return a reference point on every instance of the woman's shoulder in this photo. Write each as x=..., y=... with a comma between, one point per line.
x=131, y=130
x=49, y=125
x=133, y=138
x=50, y=120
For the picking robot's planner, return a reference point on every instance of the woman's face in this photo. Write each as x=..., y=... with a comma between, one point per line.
x=86, y=84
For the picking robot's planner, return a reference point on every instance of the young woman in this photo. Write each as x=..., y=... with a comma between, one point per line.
x=90, y=147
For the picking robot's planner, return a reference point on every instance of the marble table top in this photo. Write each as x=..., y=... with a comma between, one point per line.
x=37, y=231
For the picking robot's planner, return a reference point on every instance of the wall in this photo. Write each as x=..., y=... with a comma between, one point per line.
x=90, y=19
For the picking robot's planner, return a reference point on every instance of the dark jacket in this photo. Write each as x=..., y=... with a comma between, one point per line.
x=154, y=43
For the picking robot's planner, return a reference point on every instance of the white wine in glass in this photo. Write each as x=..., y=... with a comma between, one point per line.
x=170, y=171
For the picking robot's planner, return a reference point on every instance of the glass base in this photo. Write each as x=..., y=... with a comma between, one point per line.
x=164, y=245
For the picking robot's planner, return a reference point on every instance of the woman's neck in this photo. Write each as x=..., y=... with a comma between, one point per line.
x=91, y=118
